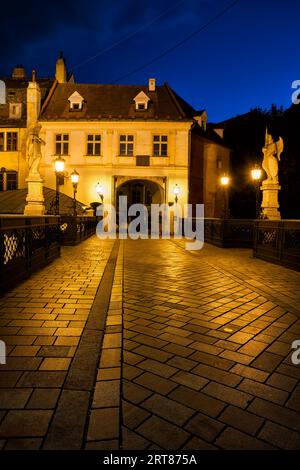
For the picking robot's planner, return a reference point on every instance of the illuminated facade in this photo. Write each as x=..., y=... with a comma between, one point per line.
x=138, y=141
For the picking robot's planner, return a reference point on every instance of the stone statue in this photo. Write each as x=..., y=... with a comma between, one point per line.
x=33, y=151
x=272, y=151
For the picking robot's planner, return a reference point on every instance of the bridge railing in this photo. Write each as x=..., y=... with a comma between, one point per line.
x=26, y=245
x=278, y=242
x=74, y=230
x=228, y=233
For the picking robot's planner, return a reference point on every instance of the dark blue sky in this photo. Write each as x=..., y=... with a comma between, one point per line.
x=246, y=58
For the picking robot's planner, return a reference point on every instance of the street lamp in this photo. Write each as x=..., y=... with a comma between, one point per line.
x=59, y=165
x=75, y=181
x=176, y=191
x=224, y=180
x=100, y=191
x=256, y=176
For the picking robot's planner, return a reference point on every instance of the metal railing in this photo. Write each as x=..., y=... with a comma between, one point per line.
x=229, y=233
x=26, y=245
x=74, y=230
x=278, y=242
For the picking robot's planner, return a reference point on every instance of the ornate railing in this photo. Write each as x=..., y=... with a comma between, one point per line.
x=26, y=245
x=74, y=230
x=278, y=242
x=229, y=232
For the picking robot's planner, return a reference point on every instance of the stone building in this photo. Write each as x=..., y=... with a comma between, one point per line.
x=139, y=141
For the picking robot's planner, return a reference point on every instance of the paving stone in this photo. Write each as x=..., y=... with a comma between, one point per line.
x=294, y=401
x=110, y=358
x=227, y=394
x=23, y=444
x=133, y=441
x=103, y=445
x=168, y=409
x=249, y=372
x=42, y=379
x=267, y=361
x=109, y=374
x=54, y=351
x=112, y=340
x=104, y=424
x=276, y=413
x=21, y=363
x=14, y=399
x=158, y=368
x=264, y=391
x=218, y=375
x=43, y=398
x=236, y=440
x=182, y=363
x=156, y=383
x=153, y=353
x=25, y=351
x=198, y=444
x=107, y=394
x=55, y=363
x=280, y=436
x=198, y=401
x=189, y=380
x=25, y=423
x=165, y=434
x=9, y=378
x=133, y=415
x=204, y=427
x=134, y=393
x=282, y=381
x=241, y=419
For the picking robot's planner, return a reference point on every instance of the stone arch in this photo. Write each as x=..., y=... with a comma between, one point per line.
x=141, y=190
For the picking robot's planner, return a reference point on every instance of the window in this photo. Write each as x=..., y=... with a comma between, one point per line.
x=76, y=101
x=11, y=141
x=76, y=106
x=160, y=145
x=126, y=145
x=93, y=144
x=2, y=142
x=62, y=144
x=11, y=180
x=141, y=106
x=1, y=181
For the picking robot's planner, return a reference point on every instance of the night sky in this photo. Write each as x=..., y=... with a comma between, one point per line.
x=247, y=57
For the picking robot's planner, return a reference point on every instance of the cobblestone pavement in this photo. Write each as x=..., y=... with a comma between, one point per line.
x=196, y=351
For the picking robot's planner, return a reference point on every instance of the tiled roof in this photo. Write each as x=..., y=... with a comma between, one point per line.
x=16, y=92
x=13, y=202
x=104, y=102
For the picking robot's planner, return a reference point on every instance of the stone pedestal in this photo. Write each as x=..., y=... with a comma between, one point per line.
x=270, y=205
x=35, y=198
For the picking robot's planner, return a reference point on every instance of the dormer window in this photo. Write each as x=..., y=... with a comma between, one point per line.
x=76, y=101
x=141, y=101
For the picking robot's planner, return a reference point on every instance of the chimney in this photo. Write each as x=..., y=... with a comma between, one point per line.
x=61, y=69
x=33, y=100
x=19, y=72
x=152, y=84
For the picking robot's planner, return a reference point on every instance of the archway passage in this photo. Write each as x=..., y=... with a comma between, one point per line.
x=140, y=191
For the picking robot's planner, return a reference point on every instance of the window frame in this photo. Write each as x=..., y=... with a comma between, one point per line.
x=94, y=143
x=158, y=141
x=62, y=143
x=12, y=142
x=126, y=143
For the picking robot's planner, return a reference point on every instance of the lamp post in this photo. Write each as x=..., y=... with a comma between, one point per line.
x=75, y=181
x=224, y=180
x=100, y=191
x=176, y=191
x=256, y=176
x=59, y=165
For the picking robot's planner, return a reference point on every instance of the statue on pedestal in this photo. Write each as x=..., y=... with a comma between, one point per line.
x=270, y=186
x=33, y=150
x=35, y=198
x=272, y=151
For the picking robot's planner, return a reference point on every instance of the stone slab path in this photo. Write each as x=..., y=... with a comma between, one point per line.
x=144, y=345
